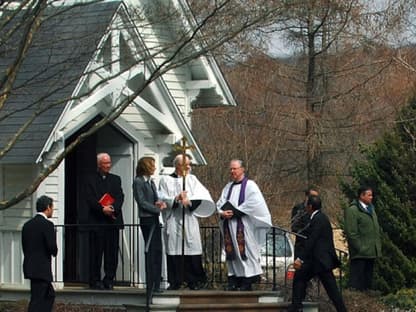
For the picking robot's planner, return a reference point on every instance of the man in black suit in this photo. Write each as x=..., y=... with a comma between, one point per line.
x=318, y=258
x=39, y=245
x=108, y=218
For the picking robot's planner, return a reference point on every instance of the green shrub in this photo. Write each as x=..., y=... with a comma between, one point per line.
x=403, y=299
x=389, y=167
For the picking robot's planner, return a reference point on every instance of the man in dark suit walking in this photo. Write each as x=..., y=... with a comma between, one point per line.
x=39, y=245
x=318, y=258
x=108, y=218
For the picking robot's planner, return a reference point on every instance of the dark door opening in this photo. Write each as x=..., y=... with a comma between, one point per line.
x=79, y=163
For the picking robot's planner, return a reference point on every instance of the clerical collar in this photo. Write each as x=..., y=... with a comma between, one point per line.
x=238, y=182
x=103, y=176
x=175, y=175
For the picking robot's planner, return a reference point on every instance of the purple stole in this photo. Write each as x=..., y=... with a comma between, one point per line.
x=228, y=244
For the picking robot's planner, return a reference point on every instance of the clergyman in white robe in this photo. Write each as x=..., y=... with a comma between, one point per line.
x=256, y=219
x=202, y=205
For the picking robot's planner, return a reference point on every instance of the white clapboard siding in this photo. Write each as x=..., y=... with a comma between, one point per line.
x=156, y=39
x=13, y=218
x=16, y=178
x=11, y=258
x=151, y=122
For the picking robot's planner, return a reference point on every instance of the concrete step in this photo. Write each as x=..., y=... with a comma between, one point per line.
x=134, y=299
x=218, y=296
x=239, y=301
x=152, y=308
x=244, y=307
x=229, y=307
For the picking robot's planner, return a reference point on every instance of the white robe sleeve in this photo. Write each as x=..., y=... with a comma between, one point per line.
x=197, y=191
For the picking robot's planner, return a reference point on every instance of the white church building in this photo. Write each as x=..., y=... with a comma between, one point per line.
x=85, y=62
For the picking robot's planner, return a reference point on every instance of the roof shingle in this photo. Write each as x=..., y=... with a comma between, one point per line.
x=63, y=47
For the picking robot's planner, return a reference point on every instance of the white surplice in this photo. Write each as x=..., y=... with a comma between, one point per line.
x=257, y=222
x=169, y=187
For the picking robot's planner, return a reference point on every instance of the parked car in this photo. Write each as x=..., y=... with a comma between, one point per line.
x=277, y=255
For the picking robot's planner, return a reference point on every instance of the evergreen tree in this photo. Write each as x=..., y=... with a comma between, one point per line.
x=389, y=166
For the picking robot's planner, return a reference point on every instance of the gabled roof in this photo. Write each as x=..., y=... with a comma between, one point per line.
x=74, y=48
x=206, y=66
x=52, y=68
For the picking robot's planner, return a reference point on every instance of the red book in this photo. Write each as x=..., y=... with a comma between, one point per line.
x=106, y=200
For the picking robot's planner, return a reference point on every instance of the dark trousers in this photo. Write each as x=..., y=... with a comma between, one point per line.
x=327, y=278
x=42, y=296
x=103, y=242
x=361, y=273
x=154, y=253
x=193, y=270
x=241, y=282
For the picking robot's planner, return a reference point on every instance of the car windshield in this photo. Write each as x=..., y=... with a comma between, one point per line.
x=281, y=249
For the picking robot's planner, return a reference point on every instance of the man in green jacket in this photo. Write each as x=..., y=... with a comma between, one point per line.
x=363, y=235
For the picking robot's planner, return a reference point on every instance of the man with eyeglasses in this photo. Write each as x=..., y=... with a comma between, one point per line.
x=103, y=197
x=245, y=220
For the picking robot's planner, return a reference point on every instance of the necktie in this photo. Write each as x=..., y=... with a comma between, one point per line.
x=153, y=186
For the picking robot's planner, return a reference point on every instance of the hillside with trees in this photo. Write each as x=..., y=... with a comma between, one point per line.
x=340, y=109
x=301, y=119
x=268, y=130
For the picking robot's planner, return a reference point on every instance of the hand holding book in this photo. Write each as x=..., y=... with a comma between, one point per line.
x=229, y=206
x=107, y=201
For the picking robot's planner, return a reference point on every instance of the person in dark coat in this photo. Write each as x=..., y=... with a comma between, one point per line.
x=147, y=199
x=318, y=258
x=39, y=245
x=108, y=218
x=300, y=220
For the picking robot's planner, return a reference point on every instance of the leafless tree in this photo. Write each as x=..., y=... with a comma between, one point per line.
x=339, y=88
x=21, y=29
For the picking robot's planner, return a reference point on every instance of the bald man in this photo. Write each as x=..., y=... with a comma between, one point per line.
x=108, y=218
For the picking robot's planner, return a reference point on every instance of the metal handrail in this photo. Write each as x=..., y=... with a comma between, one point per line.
x=213, y=258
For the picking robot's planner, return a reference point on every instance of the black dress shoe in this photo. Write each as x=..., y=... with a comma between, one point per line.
x=194, y=286
x=174, y=287
x=295, y=308
x=108, y=285
x=203, y=285
x=246, y=287
x=97, y=285
x=231, y=288
x=157, y=291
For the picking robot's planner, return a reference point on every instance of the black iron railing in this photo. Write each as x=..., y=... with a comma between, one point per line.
x=276, y=257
